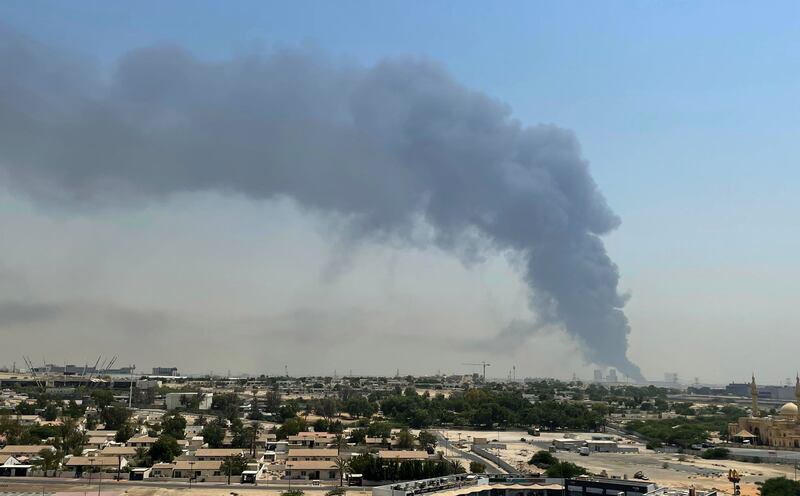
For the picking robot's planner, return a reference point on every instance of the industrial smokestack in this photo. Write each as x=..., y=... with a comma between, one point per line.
x=385, y=146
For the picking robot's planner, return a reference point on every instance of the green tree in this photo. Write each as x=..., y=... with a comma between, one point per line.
x=50, y=412
x=542, y=459
x=174, y=425
x=213, y=434
x=405, y=440
x=426, y=439
x=292, y=492
x=564, y=470
x=114, y=416
x=125, y=432
x=165, y=449
x=780, y=486
x=48, y=460
x=102, y=398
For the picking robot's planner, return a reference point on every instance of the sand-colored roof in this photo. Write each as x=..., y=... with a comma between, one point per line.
x=5, y=458
x=30, y=449
x=219, y=452
x=743, y=433
x=313, y=453
x=142, y=439
x=118, y=451
x=403, y=455
x=95, y=461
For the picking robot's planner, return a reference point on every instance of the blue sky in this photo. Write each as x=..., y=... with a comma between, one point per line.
x=687, y=112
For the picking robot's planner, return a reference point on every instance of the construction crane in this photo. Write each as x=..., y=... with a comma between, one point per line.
x=32, y=370
x=481, y=364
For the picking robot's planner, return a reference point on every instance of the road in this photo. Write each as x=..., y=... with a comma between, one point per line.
x=491, y=468
x=765, y=454
x=108, y=484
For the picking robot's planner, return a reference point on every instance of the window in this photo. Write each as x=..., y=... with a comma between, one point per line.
x=303, y=472
x=332, y=474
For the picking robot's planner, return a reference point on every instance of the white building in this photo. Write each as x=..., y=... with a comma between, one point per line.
x=178, y=400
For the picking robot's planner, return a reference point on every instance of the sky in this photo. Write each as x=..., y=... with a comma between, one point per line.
x=685, y=111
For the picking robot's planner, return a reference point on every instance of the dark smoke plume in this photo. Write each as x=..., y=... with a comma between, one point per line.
x=384, y=146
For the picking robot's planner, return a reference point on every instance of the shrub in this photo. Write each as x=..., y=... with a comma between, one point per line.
x=716, y=454
x=477, y=467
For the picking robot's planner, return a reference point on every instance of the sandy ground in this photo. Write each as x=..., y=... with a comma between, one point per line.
x=672, y=470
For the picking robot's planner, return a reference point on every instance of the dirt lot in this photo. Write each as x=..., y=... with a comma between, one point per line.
x=672, y=470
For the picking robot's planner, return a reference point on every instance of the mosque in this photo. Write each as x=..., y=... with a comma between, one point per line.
x=779, y=431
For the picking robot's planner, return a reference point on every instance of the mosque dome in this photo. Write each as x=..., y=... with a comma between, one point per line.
x=789, y=410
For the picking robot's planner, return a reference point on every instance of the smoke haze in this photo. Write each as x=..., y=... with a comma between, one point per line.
x=386, y=147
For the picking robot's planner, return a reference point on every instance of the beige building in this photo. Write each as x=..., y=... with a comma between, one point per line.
x=312, y=470
x=199, y=470
x=309, y=454
x=24, y=450
x=217, y=454
x=778, y=431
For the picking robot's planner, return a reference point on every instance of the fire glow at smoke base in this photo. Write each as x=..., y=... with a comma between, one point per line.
x=381, y=145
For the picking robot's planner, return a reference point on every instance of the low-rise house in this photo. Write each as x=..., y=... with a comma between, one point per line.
x=197, y=469
x=312, y=470
x=126, y=451
x=311, y=440
x=98, y=442
x=377, y=442
x=217, y=454
x=309, y=454
x=109, y=435
x=403, y=455
x=80, y=464
x=27, y=420
x=141, y=441
x=11, y=467
x=24, y=450
x=139, y=473
x=163, y=470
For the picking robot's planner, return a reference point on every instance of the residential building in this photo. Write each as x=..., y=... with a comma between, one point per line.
x=312, y=470
x=24, y=450
x=11, y=467
x=141, y=441
x=308, y=454
x=183, y=469
x=217, y=454
x=80, y=464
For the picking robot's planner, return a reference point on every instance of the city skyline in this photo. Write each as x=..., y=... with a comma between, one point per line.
x=689, y=137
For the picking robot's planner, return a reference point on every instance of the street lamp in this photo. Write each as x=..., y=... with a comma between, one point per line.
x=91, y=470
x=191, y=472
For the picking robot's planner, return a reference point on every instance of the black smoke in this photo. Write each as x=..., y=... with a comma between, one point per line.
x=383, y=145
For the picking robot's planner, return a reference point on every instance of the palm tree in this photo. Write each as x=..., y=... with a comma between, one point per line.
x=255, y=430
x=339, y=441
x=344, y=466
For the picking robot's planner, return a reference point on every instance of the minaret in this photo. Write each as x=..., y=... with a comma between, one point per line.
x=754, y=396
x=797, y=395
